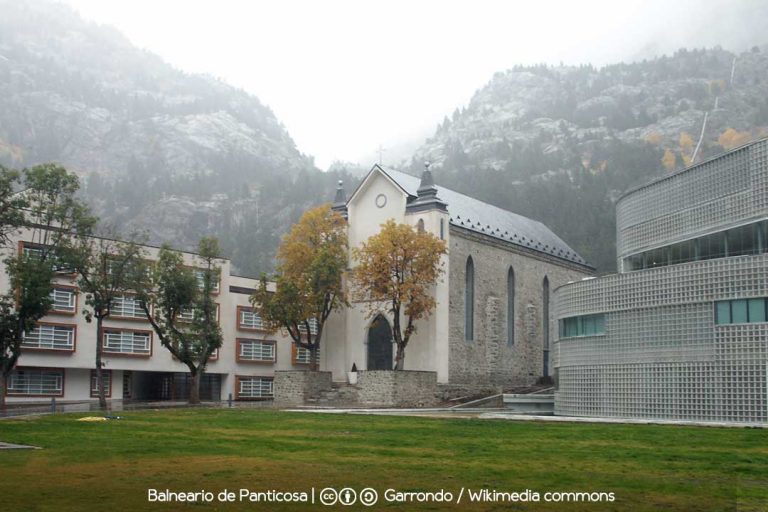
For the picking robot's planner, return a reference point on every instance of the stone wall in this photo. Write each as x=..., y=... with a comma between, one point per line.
x=294, y=387
x=383, y=388
x=453, y=392
x=489, y=360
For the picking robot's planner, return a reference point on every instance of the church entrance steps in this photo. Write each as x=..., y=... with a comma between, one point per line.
x=340, y=394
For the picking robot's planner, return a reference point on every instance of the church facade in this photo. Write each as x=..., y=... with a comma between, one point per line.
x=491, y=326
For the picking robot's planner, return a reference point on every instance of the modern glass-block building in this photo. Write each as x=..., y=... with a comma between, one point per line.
x=681, y=332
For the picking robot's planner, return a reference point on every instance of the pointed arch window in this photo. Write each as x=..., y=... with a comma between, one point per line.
x=469, y=300
x=511, y=307
x=420, y=226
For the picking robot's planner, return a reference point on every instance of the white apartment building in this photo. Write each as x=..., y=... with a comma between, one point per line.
x=58, y=357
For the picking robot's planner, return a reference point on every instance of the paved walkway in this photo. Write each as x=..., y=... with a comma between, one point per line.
x=500, y=414
x=9, y=446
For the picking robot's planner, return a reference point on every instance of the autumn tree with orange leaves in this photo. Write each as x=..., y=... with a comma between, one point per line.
x=399, y=268
x=312, y=258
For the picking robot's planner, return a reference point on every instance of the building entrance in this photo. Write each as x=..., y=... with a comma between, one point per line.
x=379, y=345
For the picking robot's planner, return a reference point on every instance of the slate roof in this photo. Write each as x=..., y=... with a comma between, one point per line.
x=475, y=215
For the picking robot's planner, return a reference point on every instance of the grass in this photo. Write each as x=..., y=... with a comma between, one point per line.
x=112, y=464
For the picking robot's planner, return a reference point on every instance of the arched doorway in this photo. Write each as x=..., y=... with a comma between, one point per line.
x=379, y=344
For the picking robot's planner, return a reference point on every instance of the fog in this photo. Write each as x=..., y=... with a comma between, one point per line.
x=347, y=76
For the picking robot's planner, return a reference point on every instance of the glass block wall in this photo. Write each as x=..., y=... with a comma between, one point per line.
x=665, y=352
x=725, y=191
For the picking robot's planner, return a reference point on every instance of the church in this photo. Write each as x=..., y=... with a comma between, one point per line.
x=492, y=325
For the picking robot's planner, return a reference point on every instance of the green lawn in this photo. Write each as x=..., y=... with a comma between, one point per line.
x=110, y=465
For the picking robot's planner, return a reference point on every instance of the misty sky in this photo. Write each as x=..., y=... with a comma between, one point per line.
x=347, y=75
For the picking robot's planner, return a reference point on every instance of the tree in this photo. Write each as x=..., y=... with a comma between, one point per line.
x=48, y=209
x=731, y=138
x=686, y=145
x=668, y=160
x=311, y=258
x=105, y=267
x=399, y=267
x=11, y=204
x=20, y=311
x=178, y=303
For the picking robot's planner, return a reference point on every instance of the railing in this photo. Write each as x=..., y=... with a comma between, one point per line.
x=30, y=382
x=256, y=351
x=255, y=388
x=52, y=337
x=250, y=320
x=127, y=343
x=127, y=307
x=63, y=300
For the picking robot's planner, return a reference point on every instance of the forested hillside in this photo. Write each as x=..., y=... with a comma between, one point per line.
x=175, y=154
x=560, y=144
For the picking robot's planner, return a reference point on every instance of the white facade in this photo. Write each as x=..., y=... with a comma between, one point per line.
x=377, y=200
x=493, y=236
x=59, y=361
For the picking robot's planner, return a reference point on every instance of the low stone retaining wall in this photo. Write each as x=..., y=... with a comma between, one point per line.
x=388, y=388
x=294, y=387
x=450, y=392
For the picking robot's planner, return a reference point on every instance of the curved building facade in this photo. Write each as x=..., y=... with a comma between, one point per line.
x=681, y=332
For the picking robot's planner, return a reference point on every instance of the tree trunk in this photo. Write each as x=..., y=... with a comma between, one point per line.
x=3, y=388
x=313, y=364
x=99, y=378
x=400, y=357
x=194, y=388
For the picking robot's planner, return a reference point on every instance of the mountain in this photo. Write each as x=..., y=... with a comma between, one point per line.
x=177, y=155
x=183, y=155
x=561, y=144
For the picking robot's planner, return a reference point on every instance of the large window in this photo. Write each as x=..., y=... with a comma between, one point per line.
x=248, y=319
x=250, y=388
x=36, y=382
x=312, y=327
x=37, y=251
x=106, y=381
x=713, y=246
x=63, y=300
x=127, y=306
x=188, y=314
x=585, y=325
x=740, y=241
x=256, y=351
x=741, y=311
x=744, y=240
x=510, y=307
x=127, y=342
x=50, y=337
x=200, y=276
x=469, y=300
x=302, y=355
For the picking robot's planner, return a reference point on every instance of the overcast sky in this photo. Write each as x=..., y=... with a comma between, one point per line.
x=345, y=76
